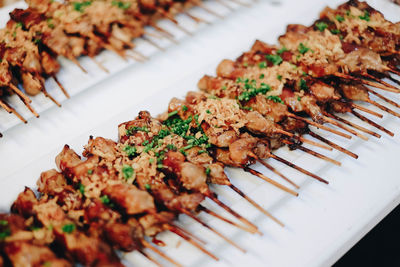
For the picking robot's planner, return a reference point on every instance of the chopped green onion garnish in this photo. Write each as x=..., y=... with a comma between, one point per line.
x=303, y=49
x=127, y=171
x=172, y=113
x=275, y=98
x=321, y=26
x=68, y=228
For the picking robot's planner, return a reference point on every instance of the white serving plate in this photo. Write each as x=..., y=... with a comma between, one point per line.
x=321, y=224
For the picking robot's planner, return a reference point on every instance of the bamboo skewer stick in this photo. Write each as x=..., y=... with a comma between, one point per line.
x=321, y=126
x=101, y=66
x=12, y=110
x=384, y=98
x=5, y=106
x=161, y=254
x=140, y=55
x=256, y=205
x=216, y=215
x=292, y=165
x=331, y=121
x=376, y=114
x=373, y=84
x=358, y=127
x=121, y=54
x=185, y=232
x=393, y=71
x=380, y=81
x=188, y=233
x=304, y=140
x=335, y=146
x=164, y=33
x=176, y=23
x=166, y=15
x=200, y=208
x=32, y=110
x=20, y=93
x=148, y=40
x=388, y=110
x=196, y=19
x=135, y=57
x=51, y=98
x=191, y=241
x=76, y=62
x=265, y=178
x=315, y=154
x=393, y=79
x=380, y=86
x=361, y=117
x=318, y=155
x=150, y=258
x=61, y=86
x=231, y=211
x=268, y=166
x=24, y=99
x=212, y=230
x=155, y=34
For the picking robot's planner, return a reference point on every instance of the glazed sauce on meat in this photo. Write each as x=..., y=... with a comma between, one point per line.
x=287, y=56
x=286, y=93
x=158, y=242
x=173, y=160
x=349, y=47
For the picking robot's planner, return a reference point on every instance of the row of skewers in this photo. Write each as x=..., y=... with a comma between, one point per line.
x=122, y=194
x=34, y=38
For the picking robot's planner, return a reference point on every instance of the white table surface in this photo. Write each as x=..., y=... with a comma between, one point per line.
x=321, y=224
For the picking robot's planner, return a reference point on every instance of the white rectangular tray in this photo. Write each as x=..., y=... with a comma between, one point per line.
x=321, y=224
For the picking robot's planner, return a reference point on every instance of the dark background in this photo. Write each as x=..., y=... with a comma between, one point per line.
x=380, y=247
